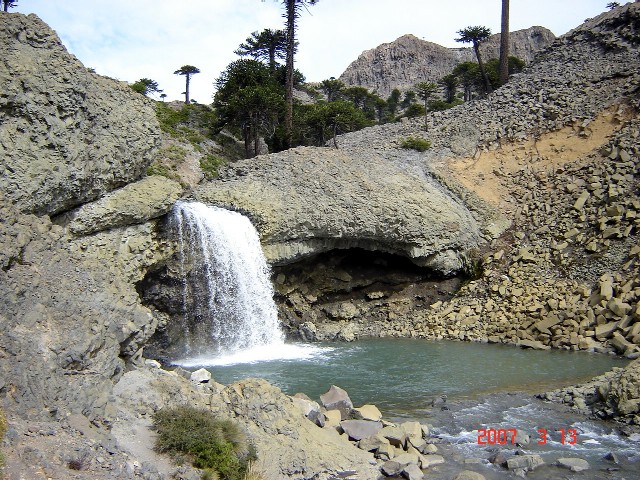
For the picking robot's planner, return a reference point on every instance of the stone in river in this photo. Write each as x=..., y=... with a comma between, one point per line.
x=431, y=460
x=525, y=462
x=359, y=429
x=573, y=464
x=469, y=475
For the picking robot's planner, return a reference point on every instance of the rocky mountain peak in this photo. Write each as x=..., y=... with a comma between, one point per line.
x=409, y=59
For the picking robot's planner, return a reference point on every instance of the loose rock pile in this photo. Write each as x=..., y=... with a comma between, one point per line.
x=569, y=278
x=404, y=449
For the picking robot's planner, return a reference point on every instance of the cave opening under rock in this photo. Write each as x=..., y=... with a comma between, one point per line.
x=369, y=290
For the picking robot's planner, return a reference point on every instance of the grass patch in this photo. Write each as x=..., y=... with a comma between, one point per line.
x=3, y=430
x=210, y=165
x=416, y=143
x=217, y=446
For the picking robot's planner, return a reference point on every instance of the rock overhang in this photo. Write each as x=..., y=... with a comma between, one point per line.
x=308, y=200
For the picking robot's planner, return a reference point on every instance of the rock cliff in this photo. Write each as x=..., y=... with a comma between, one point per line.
x=409, y=60
x=66, y=135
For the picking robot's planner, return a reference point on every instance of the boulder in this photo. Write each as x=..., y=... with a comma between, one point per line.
x=412, y=472
x=624, y=392
x=369, y=412
x=413, y=429
x=359, y=429
x=406, y=458
x=391, y=468
x=67, y=135
x=524, y=462
x=332, y=418
x=396, y=436
x=573, y=464
x=534, y=344
x=337, y=399
x=201, y=376
x=372, y=443
x=432, y=460
x=386, y=451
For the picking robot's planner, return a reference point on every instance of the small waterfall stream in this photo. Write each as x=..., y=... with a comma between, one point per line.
x=227, y=290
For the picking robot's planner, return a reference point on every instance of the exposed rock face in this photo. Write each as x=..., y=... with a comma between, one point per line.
x=136, y=203
x=309, y=200
x=66, y=135
x=70, y=315
x=409, y=60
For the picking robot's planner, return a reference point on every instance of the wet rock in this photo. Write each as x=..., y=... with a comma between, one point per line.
x=432, y=460
x=573, y=464
x=469, y=475
x=524, y=462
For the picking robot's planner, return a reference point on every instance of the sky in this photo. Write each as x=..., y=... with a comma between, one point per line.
x=153, y=38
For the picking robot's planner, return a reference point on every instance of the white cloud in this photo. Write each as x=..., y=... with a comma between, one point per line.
x=153, y=38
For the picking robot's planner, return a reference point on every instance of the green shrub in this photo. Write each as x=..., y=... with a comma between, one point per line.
x=210, y=165
x=416, y=143
x=159, y=169
x=214, y=445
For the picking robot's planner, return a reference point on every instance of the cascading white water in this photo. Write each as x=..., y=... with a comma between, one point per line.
x=227, y=280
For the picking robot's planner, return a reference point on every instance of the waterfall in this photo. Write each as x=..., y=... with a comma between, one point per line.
x=227, y=297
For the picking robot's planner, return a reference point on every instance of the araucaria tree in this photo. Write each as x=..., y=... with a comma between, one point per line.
x=425, y=91
x=291, y=15
x=267, y=45
x=7, y=4
x=504, y=43
x=187, y=71
x=249, y=99
x=145, y=86
x=476, y=35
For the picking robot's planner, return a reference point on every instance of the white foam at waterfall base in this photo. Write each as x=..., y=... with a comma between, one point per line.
x=237, y=319
x=263, y=353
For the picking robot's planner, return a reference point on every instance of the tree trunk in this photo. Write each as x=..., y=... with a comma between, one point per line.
x=291, y=42
x=425, y=114
x=504, y=44
x=256, y=139
x=335, y=134
x=6, y=6
x=487, y=83
x=246, y=131
x=186, y=90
